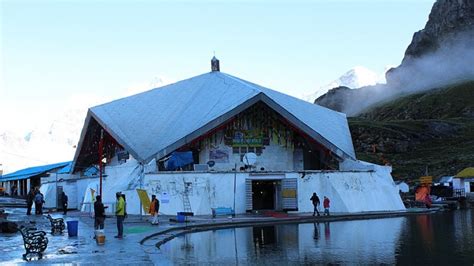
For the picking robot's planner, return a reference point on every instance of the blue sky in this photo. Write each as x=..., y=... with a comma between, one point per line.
x=57, y=53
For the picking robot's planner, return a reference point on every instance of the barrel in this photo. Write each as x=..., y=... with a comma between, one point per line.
x=72, y=228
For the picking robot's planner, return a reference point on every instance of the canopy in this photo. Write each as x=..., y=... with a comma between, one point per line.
x=33, y=171
x=466, y=173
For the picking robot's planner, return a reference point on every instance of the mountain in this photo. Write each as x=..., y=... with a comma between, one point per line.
x=51, y=143
x=357, y=77
x=439, y=55
x=431, y=130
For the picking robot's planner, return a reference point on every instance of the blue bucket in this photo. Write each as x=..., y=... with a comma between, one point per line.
x=181, y=218
x=72, y=228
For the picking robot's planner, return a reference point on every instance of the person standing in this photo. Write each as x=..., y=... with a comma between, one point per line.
x=154, y=208
x=99, y=211
x=326, y=205
x=39, y=200
x=316, y=202
x=64, y=200
x=120, y=213
x=30, y=198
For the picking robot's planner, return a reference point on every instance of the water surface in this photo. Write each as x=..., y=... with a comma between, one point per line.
x=443, y=238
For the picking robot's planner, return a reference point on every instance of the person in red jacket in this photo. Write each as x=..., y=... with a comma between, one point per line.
x=326, y=205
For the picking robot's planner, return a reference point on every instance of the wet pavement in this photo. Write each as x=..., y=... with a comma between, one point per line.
x=81, y=249
x=139, y=244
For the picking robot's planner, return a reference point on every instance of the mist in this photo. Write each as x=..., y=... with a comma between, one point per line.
x=451, y=63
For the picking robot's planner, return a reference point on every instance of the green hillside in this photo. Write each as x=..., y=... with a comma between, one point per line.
x=433, y=130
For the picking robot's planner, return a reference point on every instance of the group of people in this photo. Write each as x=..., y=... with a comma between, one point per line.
x=35, y=196
x=316, y=203
x=121, y=212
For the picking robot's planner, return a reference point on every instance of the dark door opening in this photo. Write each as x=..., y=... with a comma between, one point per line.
x=263, y=196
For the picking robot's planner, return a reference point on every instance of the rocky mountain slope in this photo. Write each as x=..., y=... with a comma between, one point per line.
x=439, y=55
x=432, y=129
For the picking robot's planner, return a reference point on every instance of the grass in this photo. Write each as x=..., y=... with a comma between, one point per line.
x=413, y=119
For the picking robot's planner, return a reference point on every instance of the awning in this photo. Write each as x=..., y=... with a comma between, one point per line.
x=33, y=171
x=446, y=179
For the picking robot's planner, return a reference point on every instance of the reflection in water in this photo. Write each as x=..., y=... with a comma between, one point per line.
x=264, y=235
x=445, y=238
x=327, y=230
x=316, y=231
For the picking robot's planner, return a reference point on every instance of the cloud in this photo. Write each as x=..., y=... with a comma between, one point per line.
x=450, y=64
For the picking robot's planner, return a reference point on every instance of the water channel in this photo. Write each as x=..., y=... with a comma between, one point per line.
x=445, y=238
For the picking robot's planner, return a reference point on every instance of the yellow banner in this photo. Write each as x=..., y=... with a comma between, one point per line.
x=144, y=199
x=92, y=195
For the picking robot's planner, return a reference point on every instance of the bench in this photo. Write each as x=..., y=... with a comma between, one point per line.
x=222, y=211
x=57, y=224
x=35, y=242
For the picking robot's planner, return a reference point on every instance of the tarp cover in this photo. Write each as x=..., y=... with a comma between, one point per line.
x=179, y=159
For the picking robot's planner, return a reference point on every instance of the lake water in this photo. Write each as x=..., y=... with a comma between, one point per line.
x=442, y=239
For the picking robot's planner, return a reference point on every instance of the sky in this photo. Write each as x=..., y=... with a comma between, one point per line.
x=56, y=55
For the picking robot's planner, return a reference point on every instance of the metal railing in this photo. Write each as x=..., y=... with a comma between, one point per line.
x=460, y=192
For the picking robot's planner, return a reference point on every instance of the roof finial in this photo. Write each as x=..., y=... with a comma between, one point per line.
x=215, y=63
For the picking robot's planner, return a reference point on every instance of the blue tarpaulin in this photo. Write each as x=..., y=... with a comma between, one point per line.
x=179, y=159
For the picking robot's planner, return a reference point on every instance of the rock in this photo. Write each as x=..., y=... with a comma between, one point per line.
x=446, y=20
x=8, y=227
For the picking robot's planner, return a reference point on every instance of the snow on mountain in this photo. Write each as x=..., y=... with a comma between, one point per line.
x=355, y=78
x=56, y=140
x=51, y=143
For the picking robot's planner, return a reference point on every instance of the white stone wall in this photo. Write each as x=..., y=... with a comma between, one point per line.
x=349, y=191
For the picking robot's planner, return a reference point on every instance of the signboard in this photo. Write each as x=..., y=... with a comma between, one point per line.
x=165, y=197
x=426, y=180
x=144, y=199
x=288, y=193
x=247, y=139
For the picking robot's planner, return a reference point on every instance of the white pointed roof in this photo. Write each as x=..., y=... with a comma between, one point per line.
x=154, y=123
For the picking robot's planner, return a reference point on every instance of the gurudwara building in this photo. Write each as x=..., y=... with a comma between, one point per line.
x=216, y=140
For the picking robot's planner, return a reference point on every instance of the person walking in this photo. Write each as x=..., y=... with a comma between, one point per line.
x=120, y=213
x=30, y=198
x=39, y=200
x=64, y=201
x=326, y=205
x=316, y=202
x=99, y=213
x=154, y=208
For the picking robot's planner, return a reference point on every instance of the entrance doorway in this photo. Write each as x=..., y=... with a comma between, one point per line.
x=263, y=194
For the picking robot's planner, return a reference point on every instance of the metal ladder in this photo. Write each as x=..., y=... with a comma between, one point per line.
x=186, y=202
